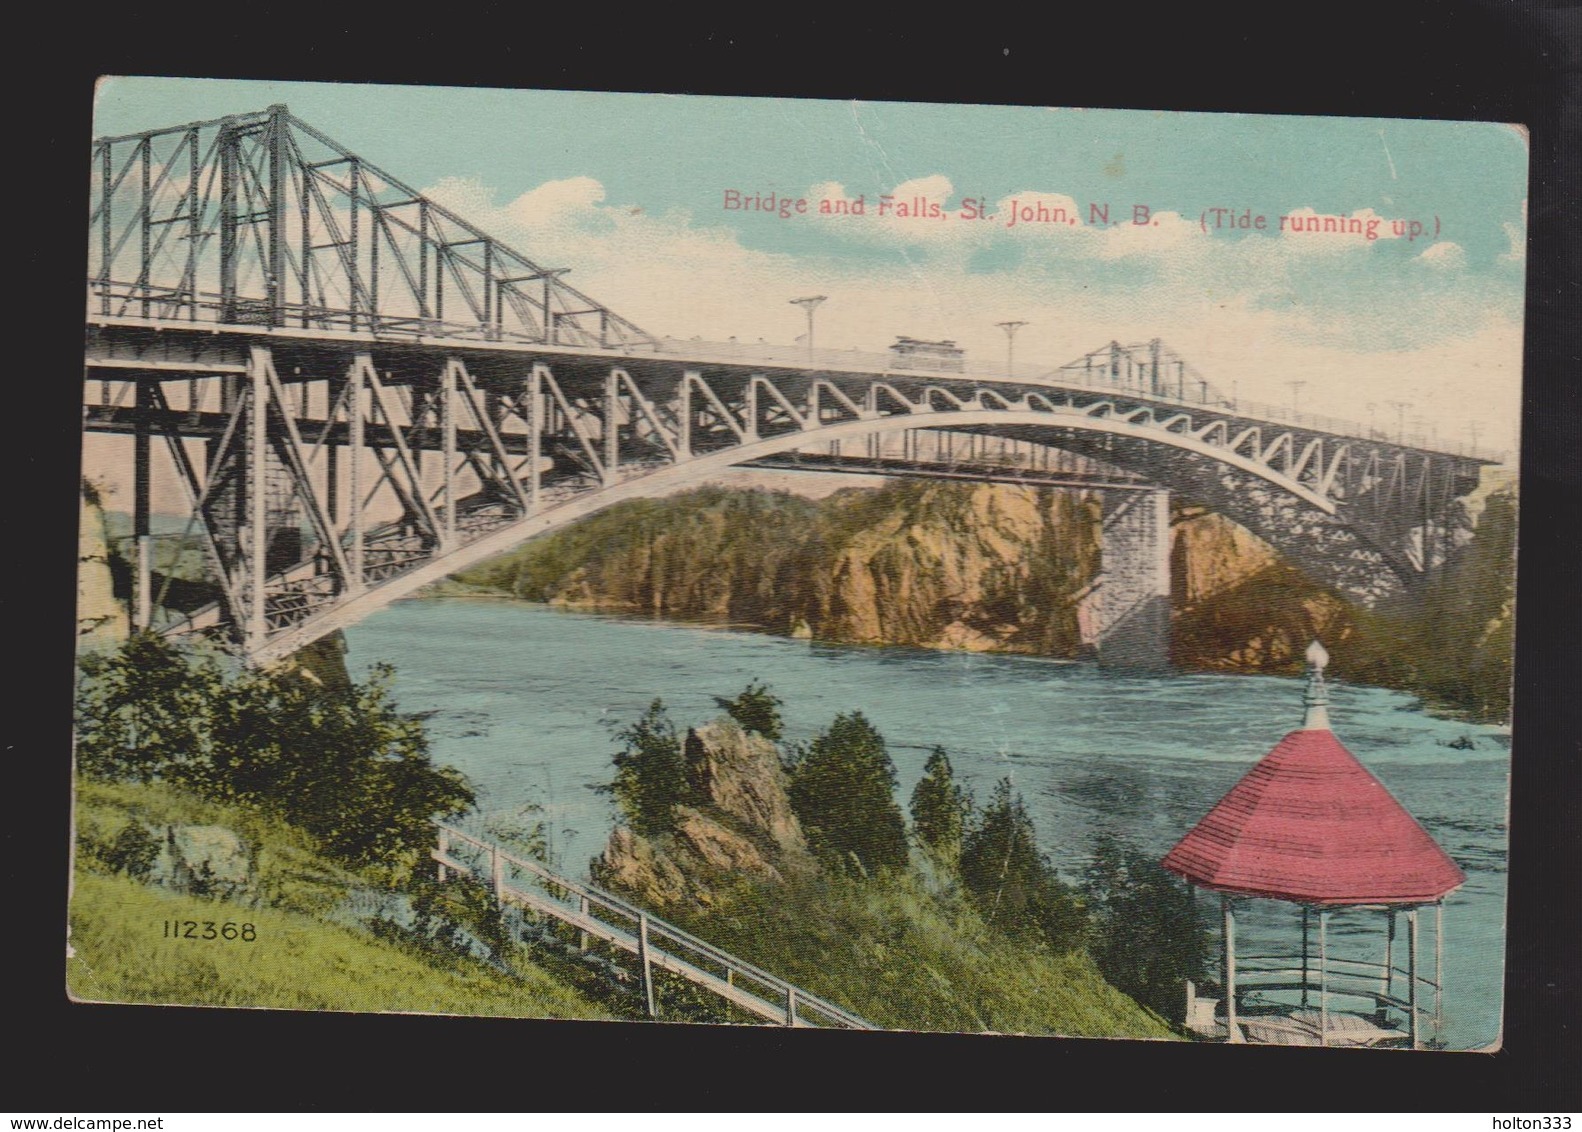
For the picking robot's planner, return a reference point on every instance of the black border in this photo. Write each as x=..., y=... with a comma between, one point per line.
x=1464, y=59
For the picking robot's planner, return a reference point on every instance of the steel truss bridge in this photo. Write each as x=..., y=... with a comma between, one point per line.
x=359, y=393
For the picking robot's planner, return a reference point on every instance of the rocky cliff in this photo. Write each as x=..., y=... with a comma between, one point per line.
x=998, y=567
x=934, y=565
x=738, y=829
x=101, y=619
x=1238, y=606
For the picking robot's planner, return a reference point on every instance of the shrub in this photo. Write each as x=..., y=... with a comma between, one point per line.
x=133, y=851
x=650, y=772
x=756, y=709
x=940, y=808
x=142, y=711
x=1014, y=886
x=1149, y=936
x=342, y=764
x=843, y=793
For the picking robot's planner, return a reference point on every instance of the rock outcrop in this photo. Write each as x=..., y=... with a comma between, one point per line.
x=101, y=619
x=203, y=860
x=736, y=827
x=739, y=775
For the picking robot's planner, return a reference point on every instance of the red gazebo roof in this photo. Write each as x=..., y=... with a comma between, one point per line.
x=1309, y=824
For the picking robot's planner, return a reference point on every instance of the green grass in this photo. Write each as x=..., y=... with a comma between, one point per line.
x=299, y=960
x=296, y=962
x=905, y=957
x=289, y=874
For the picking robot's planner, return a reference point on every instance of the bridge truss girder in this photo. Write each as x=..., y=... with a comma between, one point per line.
x=393, y=462
x=259, y=219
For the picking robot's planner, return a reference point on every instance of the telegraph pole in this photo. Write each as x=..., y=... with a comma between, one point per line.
x=1010, y=329
x=809, y=304
x=1400, y=408
x=1296, y=392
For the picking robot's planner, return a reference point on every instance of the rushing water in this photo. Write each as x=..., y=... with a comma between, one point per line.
x=525, y=701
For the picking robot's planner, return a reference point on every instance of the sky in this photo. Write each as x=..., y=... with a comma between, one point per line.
x=630, y=191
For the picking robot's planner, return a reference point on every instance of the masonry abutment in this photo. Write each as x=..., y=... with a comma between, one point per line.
x=1130, y=620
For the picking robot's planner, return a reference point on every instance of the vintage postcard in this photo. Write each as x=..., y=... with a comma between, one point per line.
x=804, y=563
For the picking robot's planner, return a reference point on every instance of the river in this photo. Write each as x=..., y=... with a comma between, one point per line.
x=525, y=700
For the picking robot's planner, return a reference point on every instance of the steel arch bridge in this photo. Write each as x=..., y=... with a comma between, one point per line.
x=359, y=393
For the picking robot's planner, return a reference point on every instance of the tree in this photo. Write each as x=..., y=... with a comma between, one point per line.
x=342, y=764
x=940, y=808
x=756, y=709
x=1013, y=885
x=1149, y=935
x=143, y=711
x=843, y=793
x=650, y=772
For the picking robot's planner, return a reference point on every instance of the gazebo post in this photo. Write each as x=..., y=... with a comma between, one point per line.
x=1232, y=1031
x=1411, y=975
x=1439, y=967
x=1323, y=976
x=1389, y=952
x=1304, y=955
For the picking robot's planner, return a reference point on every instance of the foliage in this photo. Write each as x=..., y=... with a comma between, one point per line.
x=940, y=808
x=1466, y=626
x=342, y=764
x=448, y=917
x=1149, y=936
x=843, y=793
x=133, y=851
x=142, y=710
x=756, y=709
x=711, y=553
x=523, y=832
x=650, y=772
x=1012, y=883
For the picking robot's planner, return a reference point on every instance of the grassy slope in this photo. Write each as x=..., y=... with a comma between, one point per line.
x=299, y=960
x=906, y=958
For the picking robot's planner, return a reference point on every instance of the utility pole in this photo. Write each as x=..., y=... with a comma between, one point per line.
x=1010, y=329
x=1296, y=392
x=1400, y=408
x=809, y=304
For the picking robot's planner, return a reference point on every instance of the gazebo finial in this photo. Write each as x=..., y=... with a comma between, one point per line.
x=1316, y=698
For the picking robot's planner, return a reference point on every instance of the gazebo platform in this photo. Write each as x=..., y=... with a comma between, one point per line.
x=1301, y=1028
x=1310, y=1014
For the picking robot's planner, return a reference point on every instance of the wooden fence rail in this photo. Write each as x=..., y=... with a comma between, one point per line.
x=597, y=914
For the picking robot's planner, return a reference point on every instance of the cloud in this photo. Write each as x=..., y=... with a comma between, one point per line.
x=1163, y=234
x=1517, y=235
x=556, y=201
x=1256, y=310
x=1444, y=256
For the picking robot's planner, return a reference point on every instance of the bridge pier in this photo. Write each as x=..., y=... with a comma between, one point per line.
x=143, y=566
x=1127, y=621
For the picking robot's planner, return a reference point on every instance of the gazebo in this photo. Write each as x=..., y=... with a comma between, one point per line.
x=1309, y=825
